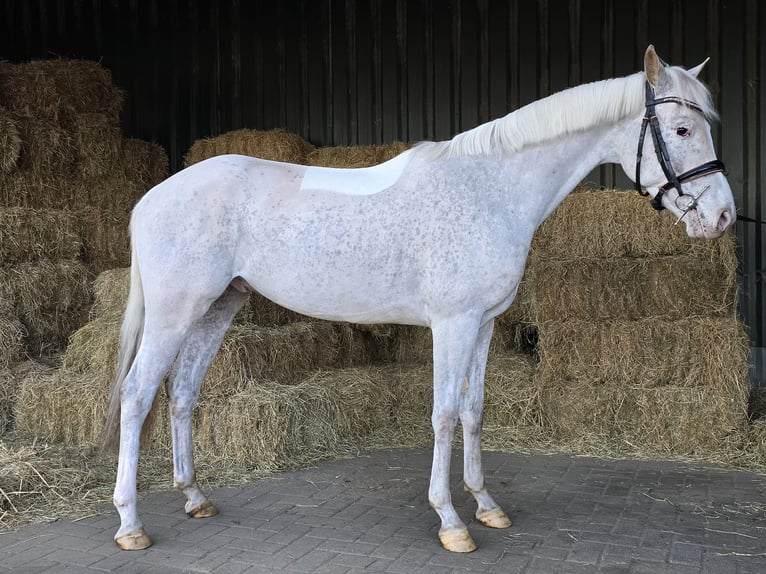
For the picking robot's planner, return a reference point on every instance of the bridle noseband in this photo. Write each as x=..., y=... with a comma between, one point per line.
x=674, y=181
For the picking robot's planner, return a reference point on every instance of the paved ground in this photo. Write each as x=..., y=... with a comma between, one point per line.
x=573, y=515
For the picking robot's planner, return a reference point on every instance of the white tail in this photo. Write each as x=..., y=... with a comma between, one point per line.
x=130, y=340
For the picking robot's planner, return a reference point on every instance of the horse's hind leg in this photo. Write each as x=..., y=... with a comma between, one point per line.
x=159, y=346
x=194, y=359
x=471, y=409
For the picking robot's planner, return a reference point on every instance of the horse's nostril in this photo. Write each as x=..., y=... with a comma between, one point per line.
x=724, y=220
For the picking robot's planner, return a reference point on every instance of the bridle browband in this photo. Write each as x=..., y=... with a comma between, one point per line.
x=674, y=181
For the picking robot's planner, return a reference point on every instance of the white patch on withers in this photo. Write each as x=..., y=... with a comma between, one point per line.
x=356, y=181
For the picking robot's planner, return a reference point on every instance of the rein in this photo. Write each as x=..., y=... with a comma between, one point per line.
x=674, y=181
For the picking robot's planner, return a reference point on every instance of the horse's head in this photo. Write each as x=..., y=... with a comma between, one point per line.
x=676, y=162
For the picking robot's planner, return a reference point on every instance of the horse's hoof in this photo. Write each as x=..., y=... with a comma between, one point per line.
x=204, y=510
x=136, y=540
x=457, y=540
x=494, y=518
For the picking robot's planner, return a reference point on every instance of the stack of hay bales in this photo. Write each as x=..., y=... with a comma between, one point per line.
x=639, y=341
x=68, y=181
x=67, y=184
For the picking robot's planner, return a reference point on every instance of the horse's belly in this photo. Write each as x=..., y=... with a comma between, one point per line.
x=338, y=300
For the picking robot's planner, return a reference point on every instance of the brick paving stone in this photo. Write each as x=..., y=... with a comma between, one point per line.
x=371, y=514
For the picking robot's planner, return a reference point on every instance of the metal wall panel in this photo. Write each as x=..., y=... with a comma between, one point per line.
x=344, y=72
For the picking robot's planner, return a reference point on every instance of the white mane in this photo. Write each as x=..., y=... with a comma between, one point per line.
x=572, y=110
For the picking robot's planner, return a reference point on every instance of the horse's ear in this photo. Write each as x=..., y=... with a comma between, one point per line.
x=695, y=71
x=652, y=66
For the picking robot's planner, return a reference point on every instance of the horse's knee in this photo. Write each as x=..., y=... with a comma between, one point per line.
x=444, y=420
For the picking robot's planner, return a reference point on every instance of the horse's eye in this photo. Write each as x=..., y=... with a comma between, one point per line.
x=683, y=132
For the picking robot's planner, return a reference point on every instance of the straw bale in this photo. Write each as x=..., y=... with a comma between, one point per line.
x=10, y=386
x=275, y=145
x=410, y=344
x=703, y=352
x=105, y=238
x=355, y=156
x=110, y=292
x=143, y=162
x=12, y=335
x=50, y=299
x=117, y=191
x=671, y=287
x=511, y=391
x=46, y=148
x=82, y=86
x=97, y=141
x=28, y=92
x=259, y=310
x=270, y=426
x=10, y=142
x=62, y=406
x=93, y=347
x=756, y=446
x=29, y=234
x=615, y=224
x=24, y=189
x=283, y=354
x=671, y=419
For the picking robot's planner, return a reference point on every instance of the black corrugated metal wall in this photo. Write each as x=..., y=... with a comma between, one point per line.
x=342, y=72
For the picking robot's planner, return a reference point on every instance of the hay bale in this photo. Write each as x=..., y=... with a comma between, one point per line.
x=97, y=141
x=105, y=238
x=702, y=352
x=50, y=299
x=12, y=335
x=27, y=92
x=269, y=426
x=144, y=163
x=258, y=310
x=262, y=424
x=110, y=292
x=355, y=156
x=92, y=349
x=10, y=142
x=613, y=223
x=10, y=385
x=40, y=190
x=275, y=145
x=30, y=234
x=646, y=421
x=511, y=392
x=671, y=287
x=82, y=86
x=62, y=406
x=46, y=148
x=283, y=354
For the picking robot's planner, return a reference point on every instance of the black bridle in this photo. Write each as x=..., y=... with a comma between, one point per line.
x=674, y=181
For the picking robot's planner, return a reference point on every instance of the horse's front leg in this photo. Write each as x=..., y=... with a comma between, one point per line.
x=488, y=512
x=194, y=359
x=453, y=341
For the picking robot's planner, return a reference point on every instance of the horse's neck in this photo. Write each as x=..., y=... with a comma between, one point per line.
x=540, y=177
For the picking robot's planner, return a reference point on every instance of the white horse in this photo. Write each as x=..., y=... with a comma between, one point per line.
x=438, y=237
